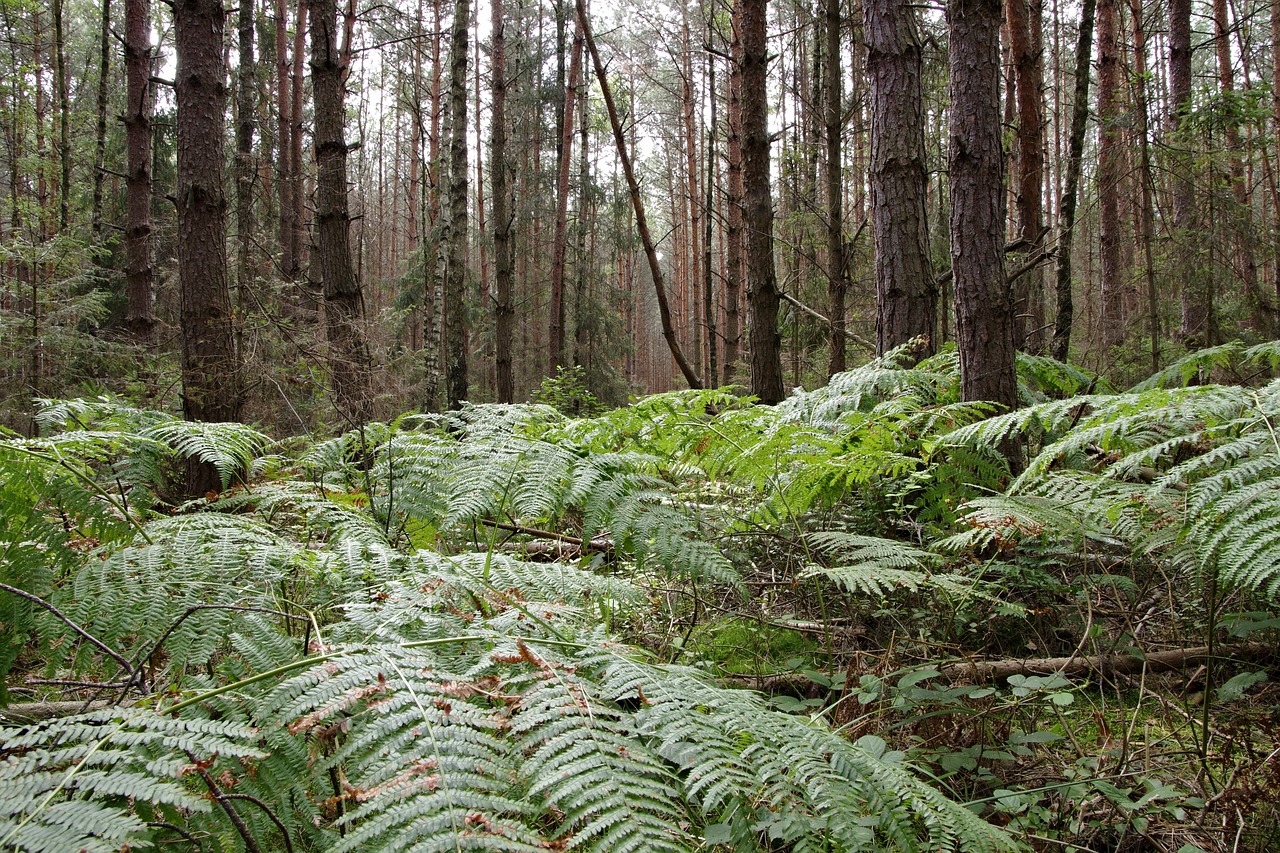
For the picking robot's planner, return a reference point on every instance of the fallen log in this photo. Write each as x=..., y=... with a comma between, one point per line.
x=977, y=672
x=34, y=712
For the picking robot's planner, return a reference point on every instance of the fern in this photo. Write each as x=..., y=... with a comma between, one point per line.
x=83, y=782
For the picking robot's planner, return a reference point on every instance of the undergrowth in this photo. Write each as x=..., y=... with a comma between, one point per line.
x=508, y=628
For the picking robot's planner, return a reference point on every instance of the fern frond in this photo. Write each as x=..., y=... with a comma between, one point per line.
x=74, y=783
x=229, y=447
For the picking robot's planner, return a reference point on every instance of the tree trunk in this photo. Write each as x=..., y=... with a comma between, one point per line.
x=63, y=87
x=1246, y=265
x=343, y=301
x=455, y=280
x=984, y=297
x=1146, y=220
x=245, y=167
x=637, y=204
x=734, y=264
x=837, y=281
x=504, y=305
x=559, y=244
x=1025, y=19
x=100, y=129
x=1070, y=188
x=1198, y=327
x=210, y=365
x=284, y=142
x=906, y=292
x=757, y=206
x=139, y=317
x=307, y=297
x=1110, y=170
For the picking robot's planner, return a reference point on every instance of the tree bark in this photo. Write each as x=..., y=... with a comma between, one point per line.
x=100, y=130
x=981, y=672
x=559, y=240
x=284, y=142
x=455, y=280
x=637, y=204
x=1025, y=19
x=1070, y=188
x=735, y=263
x=211, y=388
x=906, y=290
x=343, y=300
x=757, y=205
x=245, y=167
x=63, y=87
x=139, y=317
x=1198, y=327
x=1146, y=220
x=983, y=295
x=837, y=280
x=1110, y=170
x=504, y=305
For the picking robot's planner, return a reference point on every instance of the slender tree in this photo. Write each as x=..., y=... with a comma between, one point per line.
x=1110, y=169
x=984, y=297
x=332, y=269
x=1198, y=327
x=504, y=304
x=100, y=128
x=211, y=385
x=559, y=240
x=1026, y=43
x=1070, y=189
x=455, y=280
x=837, y=280
x=139, y=100
x=906, y=292
x=757, y=205
x=689, y=372
x=245, y=166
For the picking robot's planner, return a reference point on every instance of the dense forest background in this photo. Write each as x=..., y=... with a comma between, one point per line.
x=484, y=220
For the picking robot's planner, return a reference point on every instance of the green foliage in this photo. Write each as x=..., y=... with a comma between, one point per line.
x=387, y=666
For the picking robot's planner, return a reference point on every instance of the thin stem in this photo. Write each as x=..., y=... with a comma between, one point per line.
x=71, y=623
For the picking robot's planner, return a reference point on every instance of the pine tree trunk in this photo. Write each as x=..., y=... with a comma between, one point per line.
x=837, y=282
x=211, y=389
x=735, y=262
x=245, y=167
x=984, y=298
x=1146, y=220
x=762, y=286
x=1110, y=170
x=906, y=292
x=100, y=129
x=63, y=87
x=336, y=279
x=455, y=280
x=559, y=240
x=637, y=204
x=1025, y=19
x=284, y=143
x=139, y=316
x=504, y=305
x=1198, y=327
x=1070, y=189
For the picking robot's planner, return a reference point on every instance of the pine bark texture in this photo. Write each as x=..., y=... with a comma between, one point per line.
x=560, y=239
x=1197, y=327
x=757, y=206
x=1025, y=21
x=1110, y=169
x=139, y=316
x=455, y=280
x=504, y=306
x=906, y=292
x=983, y=296
x=211, y=384
x=332, y=269
x=837, y=280
x=734, y=264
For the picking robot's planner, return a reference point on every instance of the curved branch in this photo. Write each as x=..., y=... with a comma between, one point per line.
x=13, y=590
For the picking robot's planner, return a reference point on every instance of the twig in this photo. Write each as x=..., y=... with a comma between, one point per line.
x=188, y=836
x=13, y=590
x=601, y=546
x=250, y=843
x=284, y=833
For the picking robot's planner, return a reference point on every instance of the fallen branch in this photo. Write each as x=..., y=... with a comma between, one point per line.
x=34, y=712
x=599, y=545
x=1173, y=659
x=805, y=309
